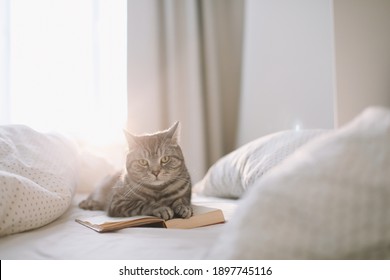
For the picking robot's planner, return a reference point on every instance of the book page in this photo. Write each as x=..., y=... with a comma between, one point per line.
x=199, y=210
x=104, y=219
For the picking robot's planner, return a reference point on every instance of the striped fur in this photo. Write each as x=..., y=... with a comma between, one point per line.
x=154, y=182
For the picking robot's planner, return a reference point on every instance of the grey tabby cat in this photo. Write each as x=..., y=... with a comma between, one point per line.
x=155, y=181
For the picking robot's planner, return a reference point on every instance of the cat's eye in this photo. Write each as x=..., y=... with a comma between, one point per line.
x=165, y=159
x=143, y=162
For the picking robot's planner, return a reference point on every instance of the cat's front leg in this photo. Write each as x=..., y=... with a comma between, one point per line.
x=163, y=212
x=98, y=199
x=91, y=204
x=182, y=209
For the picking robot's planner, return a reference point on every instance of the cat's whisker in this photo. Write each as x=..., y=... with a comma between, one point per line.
x=133, y=189
x=183, y=179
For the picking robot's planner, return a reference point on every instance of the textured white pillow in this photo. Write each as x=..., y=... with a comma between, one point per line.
x=330, y=200
x=38, y=175
x=230, y=176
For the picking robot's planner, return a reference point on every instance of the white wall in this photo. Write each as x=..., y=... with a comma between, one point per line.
x=288, y=75
x=362, y=38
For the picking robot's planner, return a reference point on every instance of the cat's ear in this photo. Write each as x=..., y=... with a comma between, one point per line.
x=131, y=139
x=174, y=132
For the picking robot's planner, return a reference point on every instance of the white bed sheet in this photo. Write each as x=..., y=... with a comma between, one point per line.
x=66, y=239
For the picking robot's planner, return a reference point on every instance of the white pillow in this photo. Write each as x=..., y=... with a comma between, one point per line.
x=230, y=176
x=330, y=200
x=38, y=175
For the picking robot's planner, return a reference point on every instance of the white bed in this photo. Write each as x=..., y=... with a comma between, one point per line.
x=290, y=195
x=66, y=239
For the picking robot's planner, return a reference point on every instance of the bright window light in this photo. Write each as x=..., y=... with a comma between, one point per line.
x=68, y=67
x=297, y=126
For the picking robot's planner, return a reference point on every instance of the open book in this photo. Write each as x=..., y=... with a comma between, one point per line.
x=203, y=216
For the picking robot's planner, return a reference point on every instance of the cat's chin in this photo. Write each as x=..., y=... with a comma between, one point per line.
x=157, y=182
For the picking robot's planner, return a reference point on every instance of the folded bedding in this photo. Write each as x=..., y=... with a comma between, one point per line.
x=329, y=200
x=38, y=176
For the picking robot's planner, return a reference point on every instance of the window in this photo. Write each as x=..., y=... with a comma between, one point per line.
x=64, y=67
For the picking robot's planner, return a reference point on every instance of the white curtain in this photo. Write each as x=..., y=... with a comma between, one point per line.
x=63, y=67
x=184, y=63
x=4, y=60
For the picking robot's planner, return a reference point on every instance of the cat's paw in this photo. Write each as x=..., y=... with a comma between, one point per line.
x=165, y=213
x=183, y=211
x=90, y=204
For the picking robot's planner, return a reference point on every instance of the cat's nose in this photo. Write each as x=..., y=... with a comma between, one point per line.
x=156, y=172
